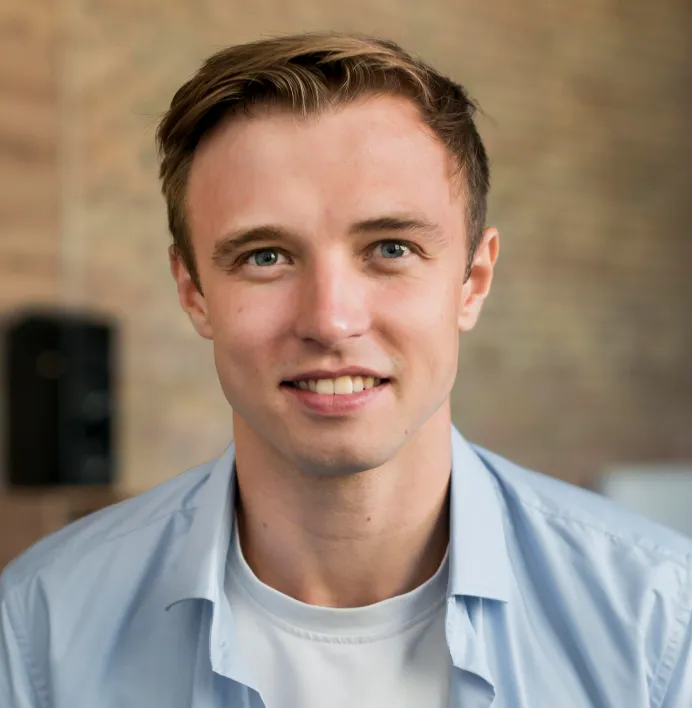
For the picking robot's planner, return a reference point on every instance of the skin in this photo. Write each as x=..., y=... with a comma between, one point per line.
x=346, y=510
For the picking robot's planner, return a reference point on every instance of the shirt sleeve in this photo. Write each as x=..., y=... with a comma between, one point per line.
x=17, y=690
x=679, y=692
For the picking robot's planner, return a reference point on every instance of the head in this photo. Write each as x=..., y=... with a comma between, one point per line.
x=326, y=194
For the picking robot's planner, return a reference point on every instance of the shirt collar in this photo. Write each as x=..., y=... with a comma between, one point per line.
x=198, y=571
x=479, y=563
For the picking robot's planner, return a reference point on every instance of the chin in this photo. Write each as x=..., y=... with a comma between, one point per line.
x=330, y=450
x=343, y=459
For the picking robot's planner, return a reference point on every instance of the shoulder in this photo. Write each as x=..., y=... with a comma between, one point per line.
x=128, y=526
x=606, y=577
x=590, y=516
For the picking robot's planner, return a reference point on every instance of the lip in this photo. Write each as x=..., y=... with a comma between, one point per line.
x=335, y=373
x=333, y=405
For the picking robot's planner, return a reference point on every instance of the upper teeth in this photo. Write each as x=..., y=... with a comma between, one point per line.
x=342, y=384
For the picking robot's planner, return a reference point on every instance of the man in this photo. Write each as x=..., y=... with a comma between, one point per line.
x=326, y=195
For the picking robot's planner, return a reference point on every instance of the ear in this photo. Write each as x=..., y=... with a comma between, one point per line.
x=191, y=299
x=477, y=287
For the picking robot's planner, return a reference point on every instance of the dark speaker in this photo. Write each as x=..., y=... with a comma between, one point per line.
x=60, y=408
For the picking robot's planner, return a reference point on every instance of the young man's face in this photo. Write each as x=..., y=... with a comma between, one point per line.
x=332, y=248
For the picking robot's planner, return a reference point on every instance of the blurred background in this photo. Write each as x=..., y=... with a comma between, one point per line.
x=581, y=366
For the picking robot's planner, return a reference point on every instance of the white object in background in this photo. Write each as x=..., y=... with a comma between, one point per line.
x=660, y=491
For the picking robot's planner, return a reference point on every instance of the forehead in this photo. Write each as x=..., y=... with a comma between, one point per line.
x=349, y=163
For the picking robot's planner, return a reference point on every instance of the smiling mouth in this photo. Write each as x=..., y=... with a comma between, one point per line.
x=339, y=386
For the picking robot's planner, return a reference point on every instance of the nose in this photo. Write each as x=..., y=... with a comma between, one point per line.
x=333, y=304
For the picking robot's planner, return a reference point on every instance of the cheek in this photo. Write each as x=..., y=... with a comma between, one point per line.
x=424, y=325
x=428, y=308
x=245, y=324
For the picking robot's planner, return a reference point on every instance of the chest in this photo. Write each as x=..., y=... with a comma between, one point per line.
x=169, y=663
x=401, y=666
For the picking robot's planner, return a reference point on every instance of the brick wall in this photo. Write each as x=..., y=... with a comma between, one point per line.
x=583, y=352
x=29, y=152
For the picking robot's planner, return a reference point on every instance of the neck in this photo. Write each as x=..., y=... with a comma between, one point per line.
x=346, y=541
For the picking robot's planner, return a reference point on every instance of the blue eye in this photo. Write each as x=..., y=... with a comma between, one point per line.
x=393, y=249
x=265, y=257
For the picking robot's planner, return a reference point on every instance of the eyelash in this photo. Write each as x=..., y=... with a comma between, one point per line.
x=409, y=246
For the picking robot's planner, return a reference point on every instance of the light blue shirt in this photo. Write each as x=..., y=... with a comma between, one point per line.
x=556, y=597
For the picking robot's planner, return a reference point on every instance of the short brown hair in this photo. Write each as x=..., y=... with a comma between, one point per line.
x=308, y=73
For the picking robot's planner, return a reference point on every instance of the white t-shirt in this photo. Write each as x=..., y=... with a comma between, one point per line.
x=390, y=654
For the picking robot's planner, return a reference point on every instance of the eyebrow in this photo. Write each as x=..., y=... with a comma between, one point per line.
x=228, y=245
